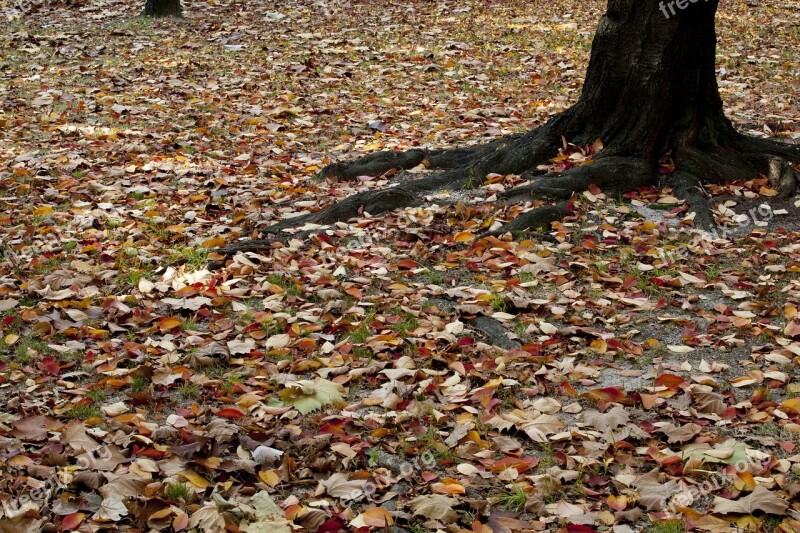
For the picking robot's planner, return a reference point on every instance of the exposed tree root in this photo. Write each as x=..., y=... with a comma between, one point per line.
x=689, y=188
x=756, y=145
x=496, y=334
x=374, y=164
x=461, y=168
x=782, y=177
x=612, y=173
x=540, y=218
x=715, y=165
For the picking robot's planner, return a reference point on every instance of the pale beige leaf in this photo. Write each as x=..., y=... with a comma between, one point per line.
x=434, y=507
x=761, y=499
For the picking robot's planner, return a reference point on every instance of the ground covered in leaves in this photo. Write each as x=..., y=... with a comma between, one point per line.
x=620, y=372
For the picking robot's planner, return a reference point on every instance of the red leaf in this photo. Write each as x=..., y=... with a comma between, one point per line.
x=50, y=366
x=230, y=412
x=72, y=521
x=407, y=264
x=670, y=381
x=331, y=526
x=608, y=394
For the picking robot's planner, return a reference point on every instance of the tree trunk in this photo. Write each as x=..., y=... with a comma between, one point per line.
x=651, y=82
x=650, y=96
x=162, y=8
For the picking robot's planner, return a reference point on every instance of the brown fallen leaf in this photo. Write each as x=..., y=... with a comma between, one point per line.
x=35, y=428
x=761, y=499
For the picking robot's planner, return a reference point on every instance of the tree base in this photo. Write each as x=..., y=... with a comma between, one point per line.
x=461, y=168
x=162, y=8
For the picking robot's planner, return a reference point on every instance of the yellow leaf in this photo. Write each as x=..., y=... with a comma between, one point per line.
x=195, y=479
x=166, y=324
x=214, y=242
x=177, y=228
x=43, y=211
x=270, y=477
x=792, y=404
x=599, y=345
x=449, y=486
x=377, y=517
x=11, y=338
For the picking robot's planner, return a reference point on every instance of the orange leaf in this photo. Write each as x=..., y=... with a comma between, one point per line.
x=449, y=486
x=464, y=236
x=599, y=345
x=43, y=211
x=608, y=394
x=377, y=517
x=195, y=479
x=649, y=400
x=618, y=503
x=355, y=292
x=189, y=290
x=166, y=324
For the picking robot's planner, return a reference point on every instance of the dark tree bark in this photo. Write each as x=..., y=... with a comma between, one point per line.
x=162, y=8
x=650, y=92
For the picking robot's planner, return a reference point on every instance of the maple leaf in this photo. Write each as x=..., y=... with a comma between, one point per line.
x=307, y=396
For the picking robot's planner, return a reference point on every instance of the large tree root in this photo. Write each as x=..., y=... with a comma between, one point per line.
x=756, y=145
x=746, y=158
x=619, y=174
x=689, y=188
x=540, y=218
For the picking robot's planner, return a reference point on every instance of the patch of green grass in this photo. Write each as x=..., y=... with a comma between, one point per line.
x=499, y=303
x=408, y=324
x=666, y=526
x=362, y=332
x=139, y=383
x=187, y=324
x=434, y=277
x=192, y=257
x=229, y=383
x=132, y=278
x=363, y=352
x=83, y=412
x=526, y=277
x=216, y=371
x=176, y=491
x=289, y=285
x=27, y=349
x=545, y=456
x=189, y=391
x=97, y=395
x=71, y=357
x=514, y=500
